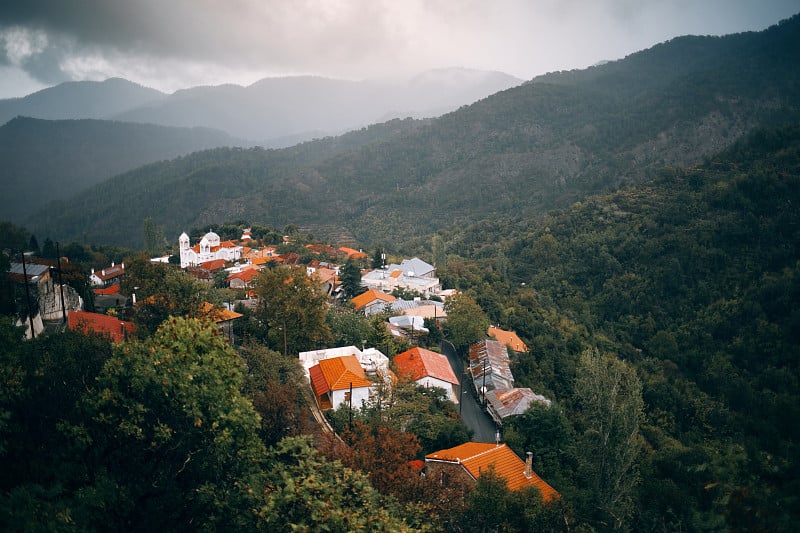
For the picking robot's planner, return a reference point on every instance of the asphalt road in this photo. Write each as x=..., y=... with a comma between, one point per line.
x=472, y=414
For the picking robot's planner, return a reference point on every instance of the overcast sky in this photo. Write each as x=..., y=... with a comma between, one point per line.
x=173, y=44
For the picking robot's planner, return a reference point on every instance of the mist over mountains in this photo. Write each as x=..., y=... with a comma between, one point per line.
x=273, y=112
x=517, y=153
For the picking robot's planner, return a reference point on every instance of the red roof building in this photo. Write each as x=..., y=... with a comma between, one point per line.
x=477, y=458
x=428, y=369
x=339, y=380
x=371, y=298
x=509, y=338
x=112, y=326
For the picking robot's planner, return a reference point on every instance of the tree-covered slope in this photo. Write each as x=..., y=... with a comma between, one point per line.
x=694, y=279
x=44, y=160
x=523, y=150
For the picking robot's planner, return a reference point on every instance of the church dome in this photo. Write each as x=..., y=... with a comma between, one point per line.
x=212, y=238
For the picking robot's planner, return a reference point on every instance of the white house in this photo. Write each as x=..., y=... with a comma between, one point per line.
x=428, y=369
x=208, y=249
x=339, y=380
x=411, y=274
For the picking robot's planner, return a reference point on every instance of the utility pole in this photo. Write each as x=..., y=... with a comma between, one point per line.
x=61, y=285
x=28, y=296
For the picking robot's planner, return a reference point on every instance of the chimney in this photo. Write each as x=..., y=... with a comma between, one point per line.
x=528, y=464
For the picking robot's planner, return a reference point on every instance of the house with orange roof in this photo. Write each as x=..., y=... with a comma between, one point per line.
x=473, y=459
x=509, y=338
x=428, y=369
x=339, y=380
x=242, y=279
x=118, y=330
x=213, y=265
x=350, y=253
x=209, y=248
x=368, y=301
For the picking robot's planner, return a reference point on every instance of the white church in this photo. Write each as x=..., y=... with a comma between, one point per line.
x=208, y=249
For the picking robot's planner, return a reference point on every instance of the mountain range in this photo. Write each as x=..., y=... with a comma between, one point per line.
x=517, y=153
x=272, y=112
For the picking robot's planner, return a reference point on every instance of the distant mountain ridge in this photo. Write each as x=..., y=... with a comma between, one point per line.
x=304, y=107
x=45, y=160
x=273, y=111
x=80, y=99
x=521, y=151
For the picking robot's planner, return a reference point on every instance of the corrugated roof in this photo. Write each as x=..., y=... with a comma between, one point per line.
x=513, y=401
x=418, y=363
x=495, y=356
x=478, y=457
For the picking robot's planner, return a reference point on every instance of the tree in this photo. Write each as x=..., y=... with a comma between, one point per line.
x=48, y=249
x=378, y=258
x=168, y=426
x=154, y=240
x=608, y=395
x=306, y=492
x=466, y=322
x=350, y=275
x=161, y=291
x=275, y=385
x=348, y=327
x=293, y=307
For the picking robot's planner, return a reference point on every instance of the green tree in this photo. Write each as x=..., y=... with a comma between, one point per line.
x=306, y=492
x=348, y=327
x=161, y=291
x=275, y=385
x=608, y=395
x=293, y=308
x=154, y=240
x=466, y=322
x=439, y=251
x=378, y=258
x=350, y=275
x=169, y=428
x=48, y=249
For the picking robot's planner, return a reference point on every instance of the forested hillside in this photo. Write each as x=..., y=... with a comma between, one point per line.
x=521, y=151
x=693, y=279
x=44, y=160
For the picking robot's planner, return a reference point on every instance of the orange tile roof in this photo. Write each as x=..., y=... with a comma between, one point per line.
x=352, y=254
x=219, y=315
x=245, y=275
x=110, y=325
x=214, y=264
x=113, y=289
x=477, y=457
x=370, y=296
x=337, y=373
x=418, y=363
x=325, y=274
x=509, y=338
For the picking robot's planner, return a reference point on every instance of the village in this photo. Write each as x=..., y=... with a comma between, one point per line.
x=408, y=294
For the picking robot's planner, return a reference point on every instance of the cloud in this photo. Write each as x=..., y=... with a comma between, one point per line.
x=183, y=42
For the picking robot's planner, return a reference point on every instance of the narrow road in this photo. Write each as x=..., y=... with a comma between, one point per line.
x=472, y=414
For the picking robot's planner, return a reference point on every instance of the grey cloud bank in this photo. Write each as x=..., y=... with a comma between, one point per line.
x=182, y=43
